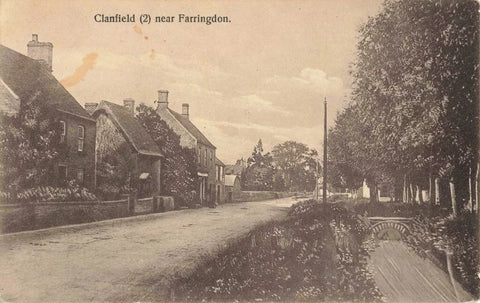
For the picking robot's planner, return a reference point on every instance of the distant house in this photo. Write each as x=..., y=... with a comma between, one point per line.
x=219, y=181
x=29, y=79
x=232, y=186
x=236, y=169
x=121, y=139
x=192, y=137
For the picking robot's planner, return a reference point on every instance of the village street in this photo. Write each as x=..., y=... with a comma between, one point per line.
x=127, y=262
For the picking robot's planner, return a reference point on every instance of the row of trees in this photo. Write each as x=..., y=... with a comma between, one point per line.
x=413, y=115
x=289, y=166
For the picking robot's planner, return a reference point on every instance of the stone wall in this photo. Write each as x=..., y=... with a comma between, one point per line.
x=250, y=196
x=19, y=217
x=144, y=206
x=15, y=218
x=186, y=139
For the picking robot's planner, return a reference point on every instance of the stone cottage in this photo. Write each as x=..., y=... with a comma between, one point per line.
x=232, y=187
x=25, y=79
x=126, y=154
x=219, y=181
x=192, y=137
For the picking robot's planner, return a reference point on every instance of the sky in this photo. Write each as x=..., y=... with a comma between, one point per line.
x=263, y=75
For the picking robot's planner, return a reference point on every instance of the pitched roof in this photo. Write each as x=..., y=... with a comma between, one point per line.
x=218, y=162
x=235, y=169
x=31, y=81
x=131, y=128
x=10, y=102
x=230, y=180
x=191, y=128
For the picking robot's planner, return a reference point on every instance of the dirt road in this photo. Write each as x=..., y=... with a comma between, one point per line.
x=128, y=263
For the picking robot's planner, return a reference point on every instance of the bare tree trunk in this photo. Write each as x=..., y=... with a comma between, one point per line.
x=437, y=191
x=453, y=197
x=420, y=198
x=373, y=193
x=477, y=193
x=470, y=190
x=430, y=188
x=405, y=189
x=412, y=193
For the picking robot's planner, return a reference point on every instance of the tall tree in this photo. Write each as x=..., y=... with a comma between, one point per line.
x=259, y=174
x=415, y=90
x=297, y=164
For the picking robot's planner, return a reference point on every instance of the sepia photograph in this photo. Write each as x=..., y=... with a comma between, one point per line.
x=239, y=151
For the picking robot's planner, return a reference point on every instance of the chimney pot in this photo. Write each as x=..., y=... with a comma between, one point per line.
x=90, y=107
x=130, y=104
x=185, y=110
x=35, y=37
x=162, y=99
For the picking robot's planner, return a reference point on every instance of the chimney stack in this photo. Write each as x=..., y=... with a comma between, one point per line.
x=185, y=107
x=90, y=107
x=162, y=99
x=129, y=103
x=40, y=51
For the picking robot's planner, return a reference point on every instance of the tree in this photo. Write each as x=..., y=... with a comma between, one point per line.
x=259, y=174
x=179, y=165
x=297, y=165
x=29, y=148
x=414, y=94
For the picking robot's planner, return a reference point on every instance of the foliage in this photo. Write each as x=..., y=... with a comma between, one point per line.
x=399, y=209
x=29, y=147
x=179, y=165
x=291, y=166
x=113, y=173
x=438, y=234
x=259, y=172
x=414, y=109
x=72, y=192
x=297, y=164
x=317, y=254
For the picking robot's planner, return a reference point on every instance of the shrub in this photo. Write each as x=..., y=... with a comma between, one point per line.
x=318, y=253
x=73, y=192
x=438, y=234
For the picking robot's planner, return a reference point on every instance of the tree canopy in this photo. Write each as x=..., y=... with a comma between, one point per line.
x=413, y=109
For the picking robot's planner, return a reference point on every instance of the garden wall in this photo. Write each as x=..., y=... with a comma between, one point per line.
x=38, y=215
x=250, y=196
x=30, y=216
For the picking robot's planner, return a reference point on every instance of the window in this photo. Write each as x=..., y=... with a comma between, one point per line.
x=63, y=131
x=205, y=158
x=216, y=173
x=81, y=137
x=199, y=156
x=80, y=175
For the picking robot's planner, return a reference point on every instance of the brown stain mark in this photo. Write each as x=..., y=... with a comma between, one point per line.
x=138, y=29
x=146, y=37
x=89, y=62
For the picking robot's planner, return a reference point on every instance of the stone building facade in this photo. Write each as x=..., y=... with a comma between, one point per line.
x=124, y=145
x=192, y=137
x=29, y=79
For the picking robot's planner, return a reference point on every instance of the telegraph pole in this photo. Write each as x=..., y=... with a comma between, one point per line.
x=325, y=154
